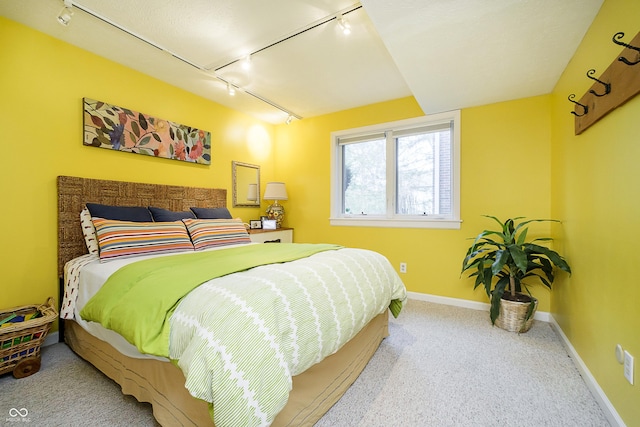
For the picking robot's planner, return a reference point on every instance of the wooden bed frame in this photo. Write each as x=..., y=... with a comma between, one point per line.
x=162, y=383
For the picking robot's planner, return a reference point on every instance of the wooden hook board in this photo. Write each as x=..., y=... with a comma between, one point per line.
x=625, y=84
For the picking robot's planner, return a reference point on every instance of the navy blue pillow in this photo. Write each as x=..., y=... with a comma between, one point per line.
x=165, y=215
x=212, y=213
x=120, y=213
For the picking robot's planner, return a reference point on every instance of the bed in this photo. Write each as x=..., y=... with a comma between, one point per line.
x=155, y=379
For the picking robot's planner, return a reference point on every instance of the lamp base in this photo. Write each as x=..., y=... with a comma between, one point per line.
x=276, y=212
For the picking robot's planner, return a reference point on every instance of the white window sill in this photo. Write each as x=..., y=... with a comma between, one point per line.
x=452, y=224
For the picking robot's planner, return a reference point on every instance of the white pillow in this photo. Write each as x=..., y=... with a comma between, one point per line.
x=89, y=231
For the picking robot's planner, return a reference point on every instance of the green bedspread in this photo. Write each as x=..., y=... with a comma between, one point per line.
x=138, y=299
x=239, y=338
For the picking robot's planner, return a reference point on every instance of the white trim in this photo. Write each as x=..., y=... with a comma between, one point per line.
x=605, y=404
x=396, y=223
x=452, y=221
x=543, y=316
x=598, y=394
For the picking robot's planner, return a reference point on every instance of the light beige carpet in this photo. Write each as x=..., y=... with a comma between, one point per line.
x=441, y=366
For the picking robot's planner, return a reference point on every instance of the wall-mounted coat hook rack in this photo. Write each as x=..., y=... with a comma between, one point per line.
x=619, y=82
x=618, y=36
x=585, y=109
x=607, y=86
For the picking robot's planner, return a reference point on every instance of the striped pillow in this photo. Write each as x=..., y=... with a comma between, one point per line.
x=208, y=233
x=122, y=239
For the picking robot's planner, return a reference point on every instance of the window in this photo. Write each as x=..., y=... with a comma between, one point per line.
x=399, y=174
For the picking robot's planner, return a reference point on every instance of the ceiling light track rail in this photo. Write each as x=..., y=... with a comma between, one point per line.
x=273, y=104
x=323, y=21
x=259, y=97
x=131, y=33
x=165, y=50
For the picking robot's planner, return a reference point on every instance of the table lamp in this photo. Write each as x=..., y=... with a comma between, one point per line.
x=275, y=191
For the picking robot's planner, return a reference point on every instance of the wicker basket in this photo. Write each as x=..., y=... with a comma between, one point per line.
x=20, y=342
x=512, y=315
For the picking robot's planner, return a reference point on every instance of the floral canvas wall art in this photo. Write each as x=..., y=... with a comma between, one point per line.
x=118, y=128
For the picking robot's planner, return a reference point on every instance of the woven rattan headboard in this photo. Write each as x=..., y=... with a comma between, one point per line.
x=74, y=192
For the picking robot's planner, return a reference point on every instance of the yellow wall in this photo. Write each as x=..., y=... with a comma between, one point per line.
x=42, y=83
x=596, y=177
x=505, y=172
x=41, y=114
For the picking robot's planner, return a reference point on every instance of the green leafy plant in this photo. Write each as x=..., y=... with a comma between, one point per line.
x=506, y=264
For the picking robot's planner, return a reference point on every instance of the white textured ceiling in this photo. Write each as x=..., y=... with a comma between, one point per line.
x=449, y=54
x=463, y=53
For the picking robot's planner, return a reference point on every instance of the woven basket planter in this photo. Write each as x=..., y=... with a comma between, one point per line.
x=512, y=315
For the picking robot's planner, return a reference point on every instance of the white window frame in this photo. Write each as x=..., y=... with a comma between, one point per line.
x=390, y=219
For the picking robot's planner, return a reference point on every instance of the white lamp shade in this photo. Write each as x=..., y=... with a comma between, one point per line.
x=275, y=191
x=252, y=193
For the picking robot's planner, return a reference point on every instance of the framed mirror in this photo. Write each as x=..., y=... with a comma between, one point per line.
x=245, y=184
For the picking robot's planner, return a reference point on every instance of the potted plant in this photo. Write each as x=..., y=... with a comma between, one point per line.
x=506, y=264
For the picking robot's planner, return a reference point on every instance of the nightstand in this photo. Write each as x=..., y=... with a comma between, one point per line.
x=284, y=234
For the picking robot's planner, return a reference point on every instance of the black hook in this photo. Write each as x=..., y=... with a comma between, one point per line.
x=607, y=86
x=628, y=46
x=584, y=107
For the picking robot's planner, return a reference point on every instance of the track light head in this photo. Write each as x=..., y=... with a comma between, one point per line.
x=246, y=62
x=231, y=90
x=289, y=119
x=344, y=24
x=65, y=15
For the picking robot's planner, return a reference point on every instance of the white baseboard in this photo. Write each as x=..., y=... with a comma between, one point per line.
x=601, y=398
x=609, y=411
x=543, y=316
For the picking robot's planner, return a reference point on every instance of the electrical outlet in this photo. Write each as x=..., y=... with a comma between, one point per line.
x=628, y=367
x=403, y=267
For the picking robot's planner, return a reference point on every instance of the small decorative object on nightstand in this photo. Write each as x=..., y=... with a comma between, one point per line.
x=269, y=224
x=275, y=191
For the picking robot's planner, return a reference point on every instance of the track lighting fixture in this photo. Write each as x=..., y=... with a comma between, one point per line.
x=246, y=62
x=64, y=17
x=344, y=24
